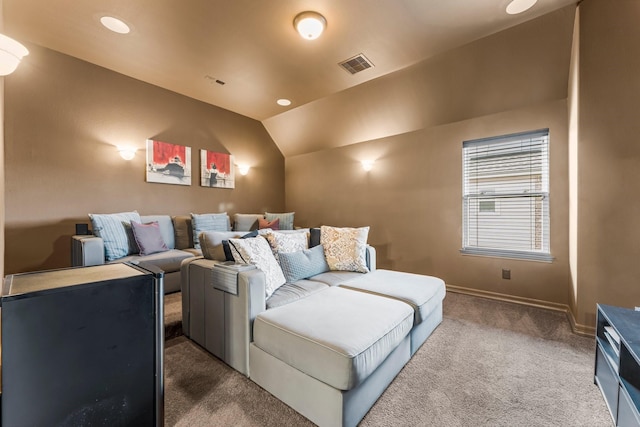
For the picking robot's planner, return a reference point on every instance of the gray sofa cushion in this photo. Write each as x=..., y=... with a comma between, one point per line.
x=183, y=231
x=168, y=261
x=211, y=243
x=246, y=222
x=290, y=292
x=337, y=336
x=423, y=293
x=193, y=251
x=335, y=278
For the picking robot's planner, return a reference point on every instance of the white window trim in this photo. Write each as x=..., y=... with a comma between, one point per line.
x=541, y=256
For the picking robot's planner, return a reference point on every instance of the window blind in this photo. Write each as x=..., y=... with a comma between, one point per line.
x=506, y=196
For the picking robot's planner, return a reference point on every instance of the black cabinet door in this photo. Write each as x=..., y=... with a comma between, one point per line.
x=82, y=355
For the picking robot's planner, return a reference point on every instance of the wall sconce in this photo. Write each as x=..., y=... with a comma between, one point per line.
x=367, y=165
x=11, y=52
x=309, y=24
x=243, y=169
x=127, y=153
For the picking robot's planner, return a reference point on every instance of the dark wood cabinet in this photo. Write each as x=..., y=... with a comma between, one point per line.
x=83, y=346
x=617, y=367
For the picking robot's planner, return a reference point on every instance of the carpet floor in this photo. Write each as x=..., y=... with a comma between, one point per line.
x=489, y=363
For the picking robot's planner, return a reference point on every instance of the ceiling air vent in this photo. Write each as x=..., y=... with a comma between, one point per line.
x=356, y=64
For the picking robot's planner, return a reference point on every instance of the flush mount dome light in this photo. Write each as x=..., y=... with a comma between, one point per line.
x=283, y=102
x=115, y=25
x=519, y=6
x=309, y=24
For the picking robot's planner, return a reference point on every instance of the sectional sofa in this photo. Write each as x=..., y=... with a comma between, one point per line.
x=328, y=342
x=111, y=241
x=161, y=240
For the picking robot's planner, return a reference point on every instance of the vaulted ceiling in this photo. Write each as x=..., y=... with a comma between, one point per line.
x=251, y=45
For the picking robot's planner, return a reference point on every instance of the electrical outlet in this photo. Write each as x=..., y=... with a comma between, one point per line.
x=506, y=274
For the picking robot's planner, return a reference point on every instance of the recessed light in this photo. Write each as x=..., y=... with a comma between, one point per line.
x=283, y=102
x=115, y=25
x=519, y=6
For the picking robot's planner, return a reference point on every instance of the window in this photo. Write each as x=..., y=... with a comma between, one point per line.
x=506, y=196
x=487, y=206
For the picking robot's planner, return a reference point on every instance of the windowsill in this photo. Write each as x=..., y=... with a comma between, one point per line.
x=519, y=255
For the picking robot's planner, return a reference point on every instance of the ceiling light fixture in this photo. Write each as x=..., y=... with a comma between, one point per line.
x=11, y=52
x=519, y=6
x=115, y=25
x=283, y=102
x=309, y=24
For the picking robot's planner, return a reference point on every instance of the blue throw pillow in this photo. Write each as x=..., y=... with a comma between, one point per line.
x=113, y=228
x=208, y=222
x=303, y=264
x=285, y=219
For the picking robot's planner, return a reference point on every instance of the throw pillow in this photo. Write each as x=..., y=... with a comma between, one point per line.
x=286, y=219
x=257, y=252
x=111, y=228
x=227, y=250
x=183, y=227
x=211, y=243
x=148, y=238
x=208, y=222
x=303, y=264
x=263, y=223
x=246, y=222
x=314, y=237
x=287, y=242
x=345, y=248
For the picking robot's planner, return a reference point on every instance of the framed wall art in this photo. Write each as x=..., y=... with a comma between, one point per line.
x=168, y=163
x=216, y=170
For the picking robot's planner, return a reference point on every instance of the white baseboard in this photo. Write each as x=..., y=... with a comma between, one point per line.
x=576, y=328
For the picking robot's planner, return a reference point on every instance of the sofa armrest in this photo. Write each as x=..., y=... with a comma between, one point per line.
x=371, y=258
x=219, y=321
x=86, y=251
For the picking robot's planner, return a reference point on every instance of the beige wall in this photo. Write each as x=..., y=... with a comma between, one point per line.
x=608, y=156
x=63, y=119
x=413, y=202
x=510, y=82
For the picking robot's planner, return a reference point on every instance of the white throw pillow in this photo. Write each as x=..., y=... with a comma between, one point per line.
x=257, y=251
x=287, y=242
x=345, y=248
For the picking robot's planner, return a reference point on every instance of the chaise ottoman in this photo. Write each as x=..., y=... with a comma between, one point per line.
x=332, y=354
x=423, y=293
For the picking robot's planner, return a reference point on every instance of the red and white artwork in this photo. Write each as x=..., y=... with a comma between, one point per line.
x=216, y=170
x=168, y=163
